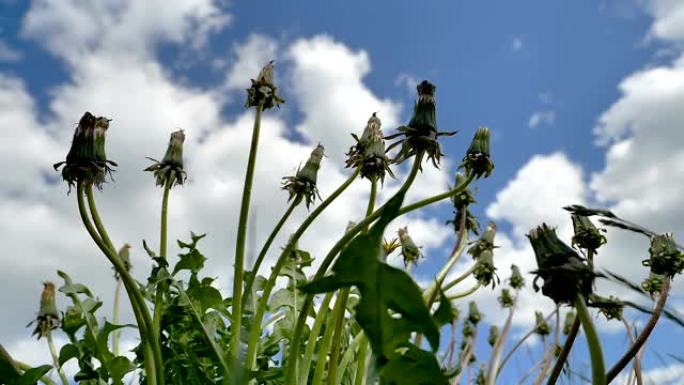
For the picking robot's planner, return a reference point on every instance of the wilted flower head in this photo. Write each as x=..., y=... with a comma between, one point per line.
x=409, y=250
x=474, y=315
x=485, y=271
x=486, y=241
x=263, y=91
x=569, y=321
x=478, y=160
x=516, y=281
x=420, y=135
x=481, y=378
x=610, y=307
x=493, y=335
x=506, y=299
x=125, y=257
x=48, y=316
x=302, y=186
x=87, y=160
x=170, y=169
x=665, y=258
x=541, y=327
x=564, y=272
x=368, y=153
x=461, y=202
x=587, y=236
x=388, y=247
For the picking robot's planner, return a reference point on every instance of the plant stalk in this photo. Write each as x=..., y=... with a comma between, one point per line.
x=161, y=286
x=55, y=358
x=115, y=318
x=597, y=365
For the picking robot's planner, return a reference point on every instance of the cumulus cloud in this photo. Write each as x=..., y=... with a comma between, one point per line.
x=541, y=118
x=250, y=56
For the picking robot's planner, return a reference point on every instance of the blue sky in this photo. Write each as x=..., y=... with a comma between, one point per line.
x=582, y=98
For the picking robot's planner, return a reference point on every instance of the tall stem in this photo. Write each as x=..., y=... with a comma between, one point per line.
x=321, y=316
x=238, y=269
x=598, y=368
x=264, y=250
x=115, y=318
x=55, y=358
x=645, y=333
x=493, y=367
x=299, y=327
x=338, y=311
x=151, y=349
x=362, y=362
x=520, y=342
x=255, y=332
x=563, y=356
x=161, y=286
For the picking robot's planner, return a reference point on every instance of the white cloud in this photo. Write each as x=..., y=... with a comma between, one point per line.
x=250, y=57
x=669, y=19
x=665, y=375
x=8, y=54
x=538, y=118
x=407, y=81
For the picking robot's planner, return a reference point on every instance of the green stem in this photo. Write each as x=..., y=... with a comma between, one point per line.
x=438, y=197
x=598, y=368
x=161, y=286
x=343, y=296
x=464, y=294
x=55, y=358
x=115, y=318
x=255, y=332
x=264, y=250
x=521, y=341
x=299, y=327
x=153, y=361
x=349, y=355
x=338, y=311
x=361, y=363
x=564, y=353
x=460, y=278
x=431, y=293
x=238, y=269
x=321, y=316
x=495, y=357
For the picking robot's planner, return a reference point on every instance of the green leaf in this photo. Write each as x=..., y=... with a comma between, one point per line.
x=106, y=330
x=118, y=368
x=385, y=291
x=31, y=376
x=193, y=260
x=445, y=311
x=68, y=352
x=413, y=367
x=8, y=370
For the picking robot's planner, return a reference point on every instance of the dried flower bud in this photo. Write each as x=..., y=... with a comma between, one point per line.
x=474, y=315
x=493, y=335
x=420, y=135
x=461, y=202
x=468, y=331
x=485, y=271
x=409, y=250
x=588, y=212
x=665, y=258
x=48, y=316
x=516, y=281
x=368, y=153
x=587, y=236
x=124, y=256
x=302, y=186
x=569, y=321
x=389, y=247
x=541, y=327
x=486, y=241
x=481, y=378
x=653, y=284
x=610, y=307
x=478, y=159
x=87, y=161
x=564, y=272
x=170, y=169
x=506, y=299
x=263, y=91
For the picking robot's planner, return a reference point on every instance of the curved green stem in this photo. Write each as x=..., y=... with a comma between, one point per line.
x=565, y=351
x=270, y=283
x=431, y=293
x=338, y=311
x=55, y=358
x=238, y=269
x=598, y=368
x=464, y=294
x=460, y=278
x=521, y=341
x=115, y=318
x=264, y=250
x=349, y=355
x=362, y=363
x=153, y=362
x=493, y=366
x=299, y=327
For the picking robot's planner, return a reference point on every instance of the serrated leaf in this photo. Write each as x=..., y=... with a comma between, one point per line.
x=383, y=289
x=31, y=376
x=68, y=352
x=413, y=367
x=118, y=368
x=445, y=311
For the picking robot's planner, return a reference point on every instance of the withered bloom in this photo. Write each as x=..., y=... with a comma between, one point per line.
x=587, y=236
x=87, y=160
x=409, y=250
x=263, y=91
x=368, y=153
x=493, y=335
x=421, y=135
x=665, y=258
x=564, y=272
x=48, y=316
x=506, y=299
x=302, y=186
x=541, y=327
x=478, y=160
x=516, y=281
x=461, y=202
x=170, y=169
x=569, y=321
x=125, y=257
